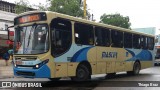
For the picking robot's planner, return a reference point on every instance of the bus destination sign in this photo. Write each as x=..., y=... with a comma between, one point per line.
x=30, y=18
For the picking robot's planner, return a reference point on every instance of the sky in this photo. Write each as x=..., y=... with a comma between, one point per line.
x=142, y=13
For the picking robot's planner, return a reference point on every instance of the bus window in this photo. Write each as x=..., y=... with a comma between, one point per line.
x=84, y=34
x=136, y=41
x=150, y=43
x=144, y=42
x=102, y=36
x=127, y=40
x=117, y=38
x=61, y=36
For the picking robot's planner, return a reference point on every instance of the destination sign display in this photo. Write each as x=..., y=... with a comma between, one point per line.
x=30, y=18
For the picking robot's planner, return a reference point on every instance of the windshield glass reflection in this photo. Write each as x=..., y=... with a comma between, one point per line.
x=31, y=39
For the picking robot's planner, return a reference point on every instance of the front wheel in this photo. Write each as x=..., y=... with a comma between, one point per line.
x=82, y=73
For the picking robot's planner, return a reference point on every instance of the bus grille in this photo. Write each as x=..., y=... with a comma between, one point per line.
x=25, y=58
x=25, y=73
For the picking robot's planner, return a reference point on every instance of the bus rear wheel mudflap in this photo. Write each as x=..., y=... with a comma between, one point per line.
x=136, y=69
x=82, y=73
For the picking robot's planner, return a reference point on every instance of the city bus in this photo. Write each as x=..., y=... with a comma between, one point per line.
x=53, y=45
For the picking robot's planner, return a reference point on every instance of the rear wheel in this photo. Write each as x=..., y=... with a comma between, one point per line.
x=136, y=69
x=82, y=73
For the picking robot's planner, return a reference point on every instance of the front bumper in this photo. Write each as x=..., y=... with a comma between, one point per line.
x=42, y=72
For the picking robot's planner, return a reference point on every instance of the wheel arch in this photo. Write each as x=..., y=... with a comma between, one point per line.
x=87, y=64
x=137, y=61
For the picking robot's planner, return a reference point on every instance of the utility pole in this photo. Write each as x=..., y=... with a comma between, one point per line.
x=84, y=7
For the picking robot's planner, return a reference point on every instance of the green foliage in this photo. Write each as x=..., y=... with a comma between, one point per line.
x=43, y=7
x=22, y=6
x=116, y=20
x=69, y=7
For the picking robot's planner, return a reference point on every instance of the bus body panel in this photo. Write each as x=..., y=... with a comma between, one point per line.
x=102, y=60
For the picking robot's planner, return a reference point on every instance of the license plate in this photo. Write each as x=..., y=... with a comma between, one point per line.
x=19, y=62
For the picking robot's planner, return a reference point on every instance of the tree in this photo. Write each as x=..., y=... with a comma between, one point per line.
x=43, y=7
x=116, y=20
x=22, y=6
x=69, y=7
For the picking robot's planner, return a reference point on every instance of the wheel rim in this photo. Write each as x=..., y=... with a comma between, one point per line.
x=81, y=73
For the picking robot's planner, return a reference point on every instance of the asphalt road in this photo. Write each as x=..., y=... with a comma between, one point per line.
x=148, y=79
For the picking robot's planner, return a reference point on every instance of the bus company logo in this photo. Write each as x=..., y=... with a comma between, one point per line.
x=6, y=84
x=109, y=54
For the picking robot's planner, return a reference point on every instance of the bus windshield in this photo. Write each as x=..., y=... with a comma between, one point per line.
x=31, y=39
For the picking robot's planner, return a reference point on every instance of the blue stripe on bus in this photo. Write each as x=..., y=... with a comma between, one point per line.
x=144, y=55
x=42, y=72
x=131, y=52
x=81, y=55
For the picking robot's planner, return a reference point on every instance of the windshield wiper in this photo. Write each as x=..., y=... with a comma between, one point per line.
x=33, y=28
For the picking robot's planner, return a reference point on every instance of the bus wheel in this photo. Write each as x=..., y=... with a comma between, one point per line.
x=136, y=69
x=82, y=73
x=54, y=79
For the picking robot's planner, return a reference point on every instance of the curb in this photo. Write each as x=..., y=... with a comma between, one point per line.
x=6, y=77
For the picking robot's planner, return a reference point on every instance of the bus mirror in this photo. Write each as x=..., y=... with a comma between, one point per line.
x=10, y=32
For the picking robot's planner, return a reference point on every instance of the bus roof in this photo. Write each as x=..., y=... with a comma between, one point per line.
x=87, y=22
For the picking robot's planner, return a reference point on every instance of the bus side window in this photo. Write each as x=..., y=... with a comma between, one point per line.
x=127, y=40
x=150, y=43
x=144, y=42
x=84, y=34
x=136, y=41
x=102, y=36
x=117, y=38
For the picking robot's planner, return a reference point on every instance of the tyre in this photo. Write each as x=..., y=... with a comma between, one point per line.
x=155, y=64
x=82, y=73
x=136, y=69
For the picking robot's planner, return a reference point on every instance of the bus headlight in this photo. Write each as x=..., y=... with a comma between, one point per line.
x=41, y=64
x=37, y=66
